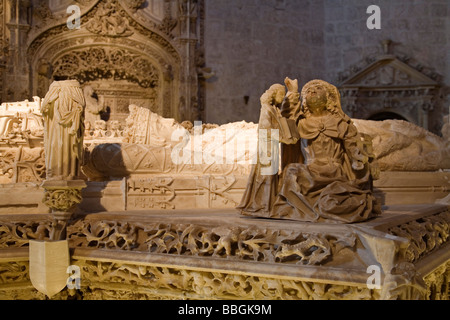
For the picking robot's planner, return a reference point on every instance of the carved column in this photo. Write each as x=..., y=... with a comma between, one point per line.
x=17, y=15
x=188, y=14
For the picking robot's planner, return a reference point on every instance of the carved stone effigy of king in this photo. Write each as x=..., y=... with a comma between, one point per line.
x=327, y=168
x=63, y=112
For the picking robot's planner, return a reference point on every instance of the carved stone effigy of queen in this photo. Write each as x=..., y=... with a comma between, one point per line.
x=327, y=167
x=63, y=112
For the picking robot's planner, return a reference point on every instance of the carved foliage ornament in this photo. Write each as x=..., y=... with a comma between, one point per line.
x=17, y=234
x=181, y=283
x=104, y=63
x=425, y=235
x=62, y=199
x=273, y=246
x=110, y=20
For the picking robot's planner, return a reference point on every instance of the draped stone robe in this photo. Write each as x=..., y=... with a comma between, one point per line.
x=63, y=112
x=325, y=187
x=319, y=183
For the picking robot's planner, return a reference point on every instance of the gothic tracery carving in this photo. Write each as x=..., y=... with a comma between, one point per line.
x=107, y=63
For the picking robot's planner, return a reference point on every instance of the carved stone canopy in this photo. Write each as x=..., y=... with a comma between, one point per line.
x=390, y=86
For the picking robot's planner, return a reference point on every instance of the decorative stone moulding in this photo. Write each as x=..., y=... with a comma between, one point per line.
x=203, y=254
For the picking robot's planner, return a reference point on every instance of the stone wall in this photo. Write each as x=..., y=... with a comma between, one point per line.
x=419, y=30
x=251, y=44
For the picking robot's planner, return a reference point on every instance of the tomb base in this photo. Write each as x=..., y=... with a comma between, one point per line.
x=218, y=254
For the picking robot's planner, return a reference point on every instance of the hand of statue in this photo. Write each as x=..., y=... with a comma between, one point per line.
x=292, y=85
x=357, y=165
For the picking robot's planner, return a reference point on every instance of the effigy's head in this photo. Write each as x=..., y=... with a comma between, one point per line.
x=320, y=95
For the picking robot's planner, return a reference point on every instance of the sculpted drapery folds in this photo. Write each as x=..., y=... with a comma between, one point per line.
x=63, y=112
x=262, y=182
x=326, y=174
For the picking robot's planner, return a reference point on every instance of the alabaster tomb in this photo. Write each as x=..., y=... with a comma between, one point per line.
x=305, y=204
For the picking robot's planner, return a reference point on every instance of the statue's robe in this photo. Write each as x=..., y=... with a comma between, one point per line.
x=325, y=187
x=63, y=112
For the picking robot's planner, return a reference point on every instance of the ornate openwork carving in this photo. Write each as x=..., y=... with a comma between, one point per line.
x=111, y=20
x=174, y=282
x=230, y=242
x=62, y=199
x=425, y=234
x=18, y=233
x=105, y=63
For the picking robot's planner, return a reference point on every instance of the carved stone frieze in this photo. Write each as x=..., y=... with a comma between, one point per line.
x=209, y=254
x=16, y=234
x=194, y=284
x=438, y=283
x=230, y=242
x=110, y=20
x=425, y=235
x=13, y=272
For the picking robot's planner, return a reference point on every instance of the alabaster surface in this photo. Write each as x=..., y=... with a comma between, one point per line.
x=397, y=146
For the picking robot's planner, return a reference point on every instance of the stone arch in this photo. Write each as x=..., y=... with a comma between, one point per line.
x=120, y=73
x=127, y=65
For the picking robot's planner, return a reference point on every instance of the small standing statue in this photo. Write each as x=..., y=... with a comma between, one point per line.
x=327, y=173
x=63, y=111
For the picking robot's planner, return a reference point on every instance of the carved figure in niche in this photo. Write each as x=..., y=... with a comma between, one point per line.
x=16, y=133
x=115, y=128
x=327, y=174
x=110, y=21
x=63, y=112
x=94, y=106
x=100, y=128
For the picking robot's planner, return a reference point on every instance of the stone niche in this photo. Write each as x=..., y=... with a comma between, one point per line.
x=389, y=88
x=130, y=52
